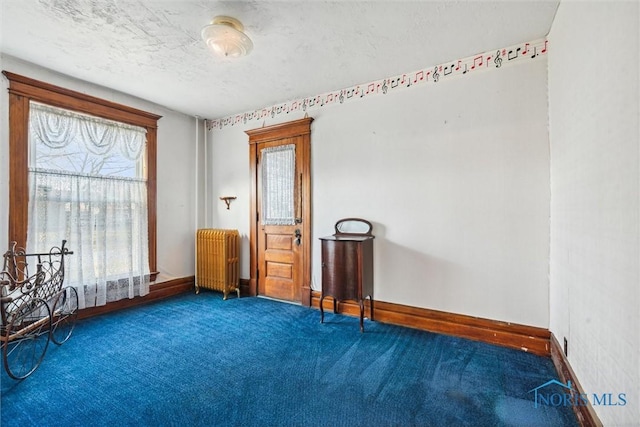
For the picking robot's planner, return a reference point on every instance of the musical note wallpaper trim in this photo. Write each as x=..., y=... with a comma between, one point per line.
x=436, y=74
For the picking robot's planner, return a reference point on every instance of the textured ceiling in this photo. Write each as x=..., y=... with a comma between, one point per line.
x=152, y=49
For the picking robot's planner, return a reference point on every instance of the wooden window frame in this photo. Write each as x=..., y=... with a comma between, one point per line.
x=22, y=90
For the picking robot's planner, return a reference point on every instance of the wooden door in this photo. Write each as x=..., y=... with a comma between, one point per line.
x=281, y=225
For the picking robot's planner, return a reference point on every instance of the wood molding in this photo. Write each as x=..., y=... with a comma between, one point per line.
x=66, y=98
x=157, y=292
x=279, y=131
x=307, y=298
x=253, y=221
x=152, y=190
x=245, y=287
x=18, y=169
x=586, y=415
x=521, y=337
x=304, y=125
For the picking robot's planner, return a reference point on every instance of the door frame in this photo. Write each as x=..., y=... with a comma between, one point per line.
x=296, y=128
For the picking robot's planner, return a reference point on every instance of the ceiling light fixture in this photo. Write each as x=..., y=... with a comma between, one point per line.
x=225, y=38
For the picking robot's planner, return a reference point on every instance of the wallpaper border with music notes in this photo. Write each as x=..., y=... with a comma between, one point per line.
x=436, y=74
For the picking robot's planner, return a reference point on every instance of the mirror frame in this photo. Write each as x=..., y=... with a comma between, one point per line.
x=364, y=221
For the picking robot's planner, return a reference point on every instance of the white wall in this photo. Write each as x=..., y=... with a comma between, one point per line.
x=176, y=166
x=228, y=175
x=455, y=178
x=595, y=209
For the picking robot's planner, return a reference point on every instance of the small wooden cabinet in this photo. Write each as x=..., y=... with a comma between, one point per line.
x=347, y=265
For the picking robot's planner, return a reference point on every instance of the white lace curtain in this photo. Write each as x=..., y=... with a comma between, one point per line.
x=84, y=187
x=278, y=185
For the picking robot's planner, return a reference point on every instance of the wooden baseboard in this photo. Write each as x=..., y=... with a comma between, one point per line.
x=156, y=292
x=306, y=296
x=586, y=415
x=521, y=337
x=245, y=287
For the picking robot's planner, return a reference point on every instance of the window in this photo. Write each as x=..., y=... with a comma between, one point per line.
x=87, y=186
x=83, y=169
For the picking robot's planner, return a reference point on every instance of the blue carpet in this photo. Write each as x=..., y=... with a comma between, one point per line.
x=196, y=360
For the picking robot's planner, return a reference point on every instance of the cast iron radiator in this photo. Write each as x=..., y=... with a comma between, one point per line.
x=218, y=260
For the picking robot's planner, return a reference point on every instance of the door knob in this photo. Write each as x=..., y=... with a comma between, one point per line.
x=298, y=236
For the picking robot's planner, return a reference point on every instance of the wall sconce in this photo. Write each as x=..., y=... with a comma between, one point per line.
x=225, y=38
x=227, y=200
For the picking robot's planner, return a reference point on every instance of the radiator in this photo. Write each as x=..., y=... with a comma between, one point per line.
x=217, y=260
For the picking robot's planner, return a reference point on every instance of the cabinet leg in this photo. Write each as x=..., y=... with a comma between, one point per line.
x=371, y=307
x=361, y=315
x=321, y=309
